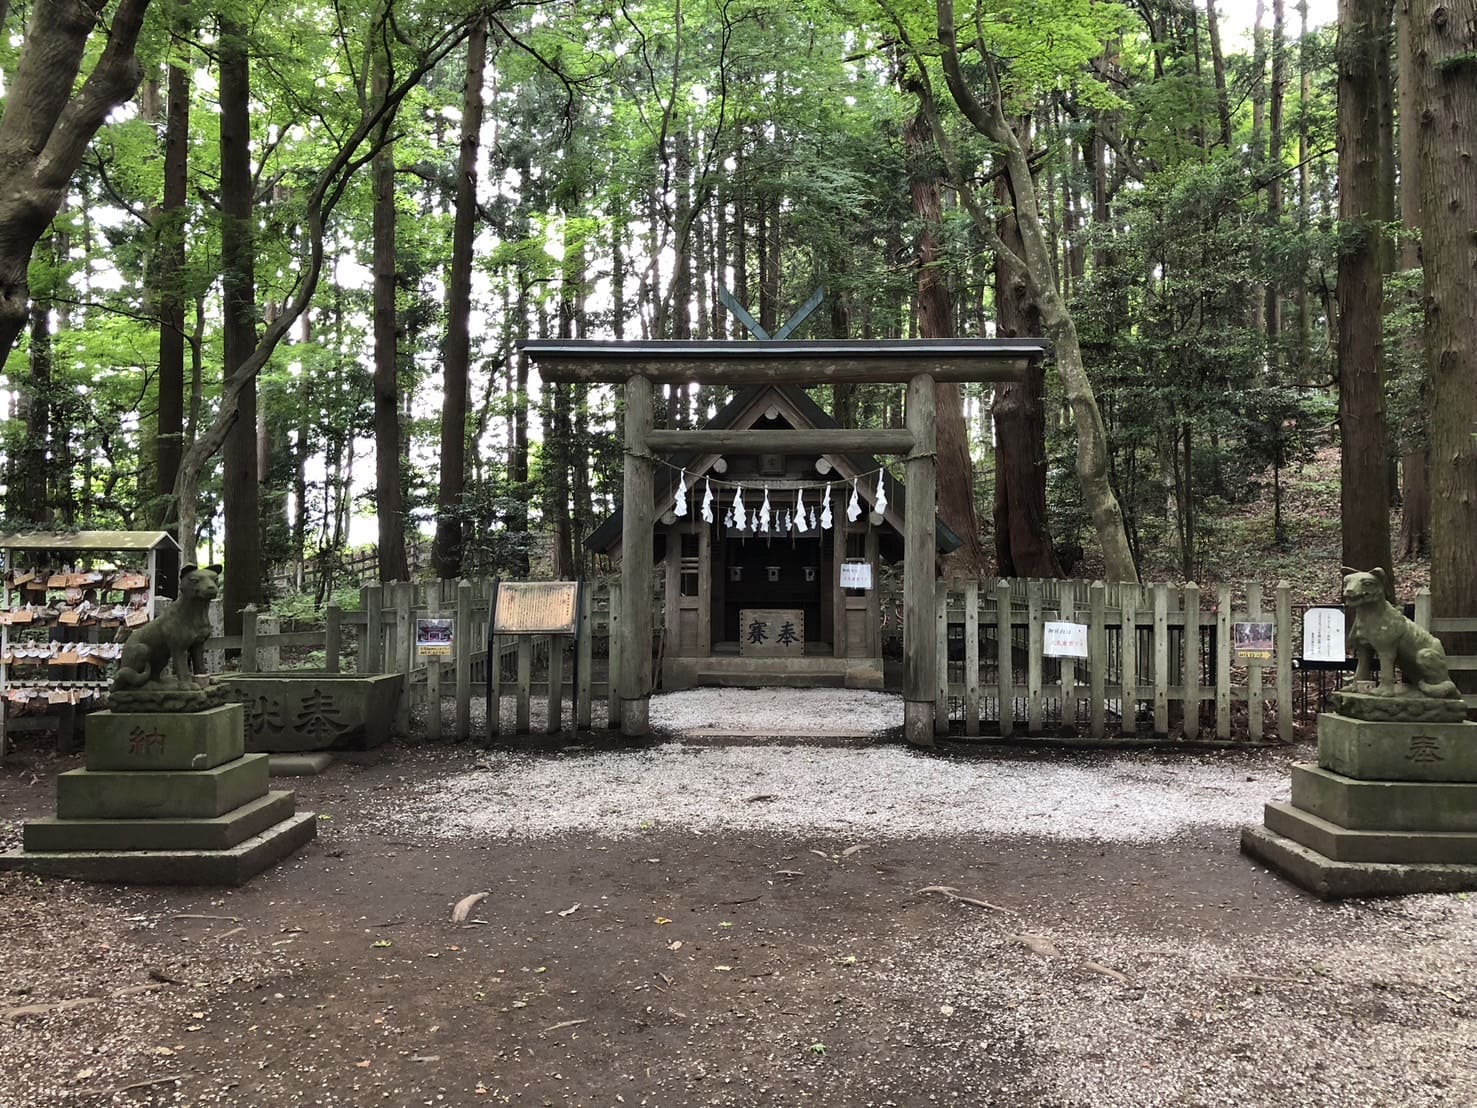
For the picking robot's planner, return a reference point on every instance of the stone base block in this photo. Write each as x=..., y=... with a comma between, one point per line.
x=300, y=765
x=235, y=866
x=161, y=794
x=114, y=835
x=165, y=740
x=1332, y=880
x=292, y=711
x=1384, y=805
x=1396, y=751
x=1344, y=845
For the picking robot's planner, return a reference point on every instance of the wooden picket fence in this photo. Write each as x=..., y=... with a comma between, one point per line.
x=1185, y=679
x=380, y=638
x=1153, y=656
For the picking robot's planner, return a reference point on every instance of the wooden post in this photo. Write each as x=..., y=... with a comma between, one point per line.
x=1255, y=694
x=333, y=637
x=971, y=657
x=248, y=639
x=1161, y=659
x=1423, y=607
x=941, y=652
x=636, y=556
x=1034, y=630
x=269, y=654
x=215, y=660
x=1283, y=634
x=371, y=646
x=1097, y=657
x=554, y=722
x=1004, y=658
x=494, y=669
x=1223, y=663
x=403, y=661
x=1190, y=664
x=920, y=655
x=525, y=684
x=613, y=657
x=584, y=657
x=1067, y=612
x=464, y=643
x=433, y=669
x=1128, y=654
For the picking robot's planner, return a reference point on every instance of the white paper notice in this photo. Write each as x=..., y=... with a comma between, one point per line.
x=1064, y=640
x=1323, y=635
x=856, y=575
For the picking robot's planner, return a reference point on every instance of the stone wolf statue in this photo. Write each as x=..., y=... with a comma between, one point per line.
x=1378, y=626
x=177, y=637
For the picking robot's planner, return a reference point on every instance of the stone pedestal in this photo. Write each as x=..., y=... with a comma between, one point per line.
x=1390, y=808
x=166, y=798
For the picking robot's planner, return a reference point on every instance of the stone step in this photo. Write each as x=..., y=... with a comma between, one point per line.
x=217, y=833
x=1345, y=845
x=165, y=740
x=161, y=794
x=1384, y=805
x=1333, y=880
x=235, y=866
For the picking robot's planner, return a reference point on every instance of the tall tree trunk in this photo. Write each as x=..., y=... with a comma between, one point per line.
x=170, y=439
x=1304, y=217
x=36, y=500
x=1364, y=501
x=1444, y=44
x=1273, y=309
x=243, y=560
x=1035, y=264
x=1218, y=64
x=389, y=494
x=1415, y=490
x=955, y=483
x=1023, y=546
x=446, y=551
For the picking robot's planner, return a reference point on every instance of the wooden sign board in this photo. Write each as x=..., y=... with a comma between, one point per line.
x=771, y=632
x=433, y=637
x=1253, y=641
x=536, y=608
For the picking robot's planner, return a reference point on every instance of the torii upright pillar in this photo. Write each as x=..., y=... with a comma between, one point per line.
x=638, y=521
x=920, y=642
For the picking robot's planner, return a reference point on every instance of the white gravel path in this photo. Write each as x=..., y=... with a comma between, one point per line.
x=777, y=711
x=858, y=792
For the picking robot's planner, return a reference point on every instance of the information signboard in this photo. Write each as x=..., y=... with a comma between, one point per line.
x=856, y=575
x=1253, y=641
x=536, y=608
x=1061, y=639
x=1323, y=635
x=433, y=637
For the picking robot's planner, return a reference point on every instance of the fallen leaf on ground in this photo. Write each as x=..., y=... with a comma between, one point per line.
x=1038, y=944
x=571, y=910
x=1097, y=967
x=850, y=850
x=465, y=905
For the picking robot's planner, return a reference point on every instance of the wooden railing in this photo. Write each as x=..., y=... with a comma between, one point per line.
x=1156, y=658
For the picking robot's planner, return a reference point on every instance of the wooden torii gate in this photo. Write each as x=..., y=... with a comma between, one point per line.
x=918, y=363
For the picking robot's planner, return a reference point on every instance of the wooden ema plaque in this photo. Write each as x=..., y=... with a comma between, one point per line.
x=536, y=608
x=771, y=632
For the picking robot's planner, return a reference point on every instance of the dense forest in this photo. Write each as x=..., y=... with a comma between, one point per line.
x=264, y=268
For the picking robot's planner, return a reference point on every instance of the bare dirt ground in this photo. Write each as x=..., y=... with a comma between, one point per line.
x=740, y=923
